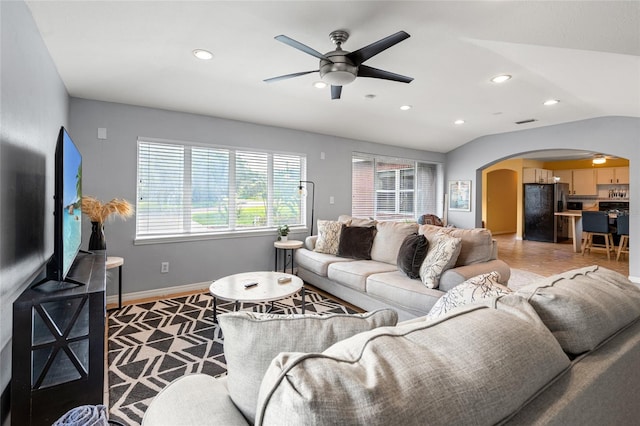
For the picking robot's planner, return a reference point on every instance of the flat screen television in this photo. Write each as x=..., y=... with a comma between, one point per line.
x=67, y=211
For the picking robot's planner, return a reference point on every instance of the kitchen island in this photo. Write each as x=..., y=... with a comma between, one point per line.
x=575, y=217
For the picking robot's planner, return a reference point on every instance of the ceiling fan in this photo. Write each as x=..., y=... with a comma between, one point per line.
x=340, y=67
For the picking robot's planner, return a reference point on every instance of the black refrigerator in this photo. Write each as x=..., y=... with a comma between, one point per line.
x=541, y=201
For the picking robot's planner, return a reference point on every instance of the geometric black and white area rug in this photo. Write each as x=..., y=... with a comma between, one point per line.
x=151, y=344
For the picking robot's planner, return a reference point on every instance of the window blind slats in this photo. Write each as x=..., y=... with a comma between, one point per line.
x=392, y=188
x=185, y=189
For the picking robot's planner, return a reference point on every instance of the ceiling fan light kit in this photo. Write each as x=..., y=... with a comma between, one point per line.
x=340, y=67
x=599, y=159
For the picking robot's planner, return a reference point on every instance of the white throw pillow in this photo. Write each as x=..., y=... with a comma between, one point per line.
x=252, y=340
x=472, y=290
x=442, y=255
x=328, y=236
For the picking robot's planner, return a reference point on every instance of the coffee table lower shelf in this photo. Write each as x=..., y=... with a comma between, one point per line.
x=232, y=288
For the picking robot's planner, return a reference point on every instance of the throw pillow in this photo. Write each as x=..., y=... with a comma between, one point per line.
x=252, y=340
x=356, y=242
x=411, y=254
x=328, y=236
x=442, y=255
x=472, y=290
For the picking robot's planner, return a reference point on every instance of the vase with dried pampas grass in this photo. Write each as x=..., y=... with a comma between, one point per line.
x=98, y=212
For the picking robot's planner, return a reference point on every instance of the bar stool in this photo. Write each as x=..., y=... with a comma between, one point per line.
x=597, y=223
x=623, y=231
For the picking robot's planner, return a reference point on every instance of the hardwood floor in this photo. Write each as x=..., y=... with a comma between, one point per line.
x=550, y=258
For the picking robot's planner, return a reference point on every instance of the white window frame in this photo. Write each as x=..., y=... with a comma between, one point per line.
x=233, y=230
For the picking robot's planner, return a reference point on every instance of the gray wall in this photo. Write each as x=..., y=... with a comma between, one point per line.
x=34, y=104
x=618, y=136
x=109, y=171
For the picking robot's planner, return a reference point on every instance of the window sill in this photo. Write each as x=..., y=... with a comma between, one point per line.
x=179, y=238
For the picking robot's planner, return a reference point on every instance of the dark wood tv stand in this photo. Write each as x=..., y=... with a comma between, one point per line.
x=58, y=344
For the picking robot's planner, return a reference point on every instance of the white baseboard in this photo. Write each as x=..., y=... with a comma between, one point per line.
x=635, y=280
x=159, y=293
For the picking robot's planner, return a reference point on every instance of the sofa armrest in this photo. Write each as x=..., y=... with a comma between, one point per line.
x=452, y=277
x=310, y=242
x=494, y=250
x=194, y=399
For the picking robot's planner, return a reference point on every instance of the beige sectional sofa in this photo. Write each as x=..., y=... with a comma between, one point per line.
x=378, y=283
x=564, y=350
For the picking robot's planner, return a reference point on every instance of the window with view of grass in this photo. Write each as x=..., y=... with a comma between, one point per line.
x=393, y=188
x=195, y=190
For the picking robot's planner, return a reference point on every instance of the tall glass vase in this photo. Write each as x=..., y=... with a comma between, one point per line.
x=97, y=240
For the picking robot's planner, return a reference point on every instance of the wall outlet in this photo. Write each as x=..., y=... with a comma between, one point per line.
x=332, y=200
x=164, y=267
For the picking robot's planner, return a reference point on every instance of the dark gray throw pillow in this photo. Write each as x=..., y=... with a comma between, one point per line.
x=356, y=242
x=412, y=253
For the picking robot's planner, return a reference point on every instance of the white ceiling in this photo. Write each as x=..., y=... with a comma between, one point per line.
x=587, y=54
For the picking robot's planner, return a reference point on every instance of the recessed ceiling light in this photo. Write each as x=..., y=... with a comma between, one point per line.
x=458, y=122
x=501, y=78
x=406, y=107
x=551, y=102
x=320, y=85
x=205, y=55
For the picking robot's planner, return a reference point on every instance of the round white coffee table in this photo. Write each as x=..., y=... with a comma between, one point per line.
x=267, y=289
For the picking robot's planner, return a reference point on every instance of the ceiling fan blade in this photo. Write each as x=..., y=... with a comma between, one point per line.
x=365, y=71
x=367, y=52
x=302, y=47
x=284, y=77
x=335, y=92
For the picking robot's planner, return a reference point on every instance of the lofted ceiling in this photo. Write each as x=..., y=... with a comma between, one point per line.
x=584, y=53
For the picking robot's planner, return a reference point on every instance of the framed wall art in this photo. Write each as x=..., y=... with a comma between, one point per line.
x=460, y=195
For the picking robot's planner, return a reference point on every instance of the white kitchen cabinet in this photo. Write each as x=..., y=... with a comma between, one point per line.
x=536, y=175
x=584, y=182
x=613, y=175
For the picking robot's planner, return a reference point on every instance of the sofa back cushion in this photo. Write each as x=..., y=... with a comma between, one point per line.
x=477, y=243
x=585, y=306
x=252, y=340
x=388, y=240
x=471, y=368
x=356, y=221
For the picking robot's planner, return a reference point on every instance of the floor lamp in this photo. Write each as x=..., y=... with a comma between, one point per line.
x=302, y=191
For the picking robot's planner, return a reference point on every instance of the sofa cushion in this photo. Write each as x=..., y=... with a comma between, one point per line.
x=477, y=243
x=442, y=255
x=472, y=290
x=412, y=252
x=328, y=236
x=585, y=306
x=397, y=289
x=354, y=274
x=252, y=340
x=471, y=368
x=388, y=240
x=356, y=242
x=318, y=263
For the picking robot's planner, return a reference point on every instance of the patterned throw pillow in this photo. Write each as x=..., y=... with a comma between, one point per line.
x=328, y=236
x=442, y=255
x=411, y=254
x=472, y=290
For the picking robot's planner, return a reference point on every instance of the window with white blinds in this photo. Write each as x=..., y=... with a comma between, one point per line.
x=392, y=188
x=197, y=190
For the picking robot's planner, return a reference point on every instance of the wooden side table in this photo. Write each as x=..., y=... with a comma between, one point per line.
x=113, y=262
x=289, y=245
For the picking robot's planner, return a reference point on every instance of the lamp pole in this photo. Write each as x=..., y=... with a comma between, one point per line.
x=313, y=198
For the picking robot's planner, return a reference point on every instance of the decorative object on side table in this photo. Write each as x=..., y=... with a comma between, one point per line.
x=98, y=212
x=283, y=232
